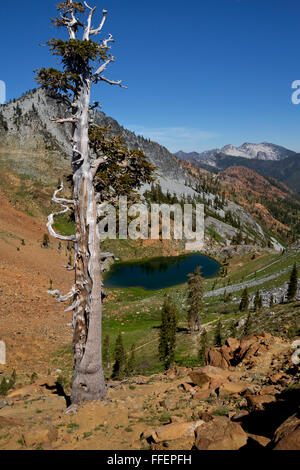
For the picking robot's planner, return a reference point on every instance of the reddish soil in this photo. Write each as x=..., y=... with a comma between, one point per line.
x=32, y=323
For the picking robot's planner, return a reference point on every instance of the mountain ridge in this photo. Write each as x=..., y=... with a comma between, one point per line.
x=262, y=151
x=37, y=148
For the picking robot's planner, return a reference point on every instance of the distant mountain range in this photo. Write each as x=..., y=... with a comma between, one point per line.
x=268, y=160
x=263, y=151
x=34, y=150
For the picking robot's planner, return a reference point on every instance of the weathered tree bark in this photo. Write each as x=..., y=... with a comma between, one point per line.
x=75, y=84
x=88, y=381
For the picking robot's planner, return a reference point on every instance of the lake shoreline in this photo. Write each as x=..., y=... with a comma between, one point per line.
x=160, y=269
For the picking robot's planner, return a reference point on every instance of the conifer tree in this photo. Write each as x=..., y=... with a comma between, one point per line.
x=244, y=304
x=195, y=297
x=120, y=359
x=203, y=345
x=272, y=301
x=131, y=363
x=293, y=284
x=167, y=337
x=103, y=168
x=218, y=341
x=248, y=325
x=257, y=301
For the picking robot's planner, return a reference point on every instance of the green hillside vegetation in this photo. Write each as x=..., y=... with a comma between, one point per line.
x=287, y=171
x=136, y=314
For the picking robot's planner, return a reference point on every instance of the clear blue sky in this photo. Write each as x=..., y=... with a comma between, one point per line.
x=200, y=73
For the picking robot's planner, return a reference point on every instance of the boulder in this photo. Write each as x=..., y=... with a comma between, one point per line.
x=258, y=401
x=215, y=358
x=254, y=345
x=233, y=343
x=209, y=378
x=232, y=388
x=202, y=394
x=220, y=434
x=289, y=442
x=177, y=371
x=267, y=390
x=240, y=415
x=174, y=431
x=287, y=436
x=205, y=375
x=235, y=351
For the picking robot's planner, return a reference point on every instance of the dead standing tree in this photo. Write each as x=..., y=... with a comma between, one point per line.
x=83, y=64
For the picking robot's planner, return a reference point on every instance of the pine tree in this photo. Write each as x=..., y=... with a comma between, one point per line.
x=272, y=301
x=248, y=325
x=131, y=363
x=120, y=359
x=203, y=345
x=218, y=334
x=167, y=339
x=293, y=284
x=106, y=352
x=257, y=301
x=244, y=304
x=195, y=297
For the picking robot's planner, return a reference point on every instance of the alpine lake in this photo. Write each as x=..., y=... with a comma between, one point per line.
x=159, y=273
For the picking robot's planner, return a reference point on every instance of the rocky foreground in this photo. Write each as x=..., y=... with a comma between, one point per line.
x=247, y=396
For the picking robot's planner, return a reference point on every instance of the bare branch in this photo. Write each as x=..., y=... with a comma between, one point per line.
x=97, y=30
x=104, y=256
x=86, y=34
x=73, y=307
x=63, y=298
x=102, y=68
x=69, y=268
x=63, y=120
x=63, y=201
x=70, y=24
x=96, y=163
x=106, y=41
x=111, y=82
x=66, y=209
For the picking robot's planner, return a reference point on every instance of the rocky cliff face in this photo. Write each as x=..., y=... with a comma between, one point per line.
x=34, y=146
x=26, y=124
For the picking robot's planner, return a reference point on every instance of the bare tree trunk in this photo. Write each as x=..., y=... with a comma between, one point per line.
x=78, y=78
x=88, y=381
